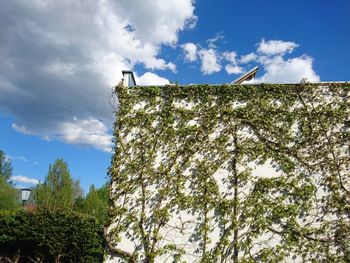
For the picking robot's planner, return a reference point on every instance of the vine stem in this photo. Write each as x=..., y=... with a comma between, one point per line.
x=126, y=255
x=329, y=144
x=235, y=195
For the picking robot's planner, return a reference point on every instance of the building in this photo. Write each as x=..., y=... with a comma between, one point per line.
x=231, y=173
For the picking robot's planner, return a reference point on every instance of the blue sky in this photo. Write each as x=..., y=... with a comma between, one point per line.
x=60, y=59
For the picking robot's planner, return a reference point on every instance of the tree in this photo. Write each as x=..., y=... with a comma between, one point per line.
x=103, y=193
x=57, y=192
x=8, y=194
x=77, y=190
x=5, y=166
x=96, y=203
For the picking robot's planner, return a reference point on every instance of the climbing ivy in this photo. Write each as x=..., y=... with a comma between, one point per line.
x=230, y=173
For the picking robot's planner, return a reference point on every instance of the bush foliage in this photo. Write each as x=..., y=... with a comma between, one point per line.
x=49, y=237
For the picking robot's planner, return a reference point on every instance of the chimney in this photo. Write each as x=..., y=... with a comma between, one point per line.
x=128, y=78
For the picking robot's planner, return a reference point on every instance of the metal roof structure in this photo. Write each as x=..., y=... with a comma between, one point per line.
x=247, y=76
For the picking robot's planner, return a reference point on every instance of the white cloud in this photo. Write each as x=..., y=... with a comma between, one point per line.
x=157, y=21
x=233, y=69
x=172, y=66
x=150, y=78
x=190, y=50
x=271, y=57
x=89, y=132
x=192, y=22
x=20, y=158
x=273, y=47
x=210, y=63
x=60, y=59
x=24, y=179
x=248, y=58
x=82, y=132
x=60, y=68
x=212, y=41
x=230, y=56
x=279, y=70
x=21, y=129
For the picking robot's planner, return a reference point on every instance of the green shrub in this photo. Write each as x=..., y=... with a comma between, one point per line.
x=50, y=237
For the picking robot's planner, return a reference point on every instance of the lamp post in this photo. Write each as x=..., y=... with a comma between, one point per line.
x=25, y=194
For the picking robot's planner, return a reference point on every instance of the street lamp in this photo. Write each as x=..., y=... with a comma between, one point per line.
x=25, y=194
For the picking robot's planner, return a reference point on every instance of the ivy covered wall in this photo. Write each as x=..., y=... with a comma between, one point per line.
x=234, y=173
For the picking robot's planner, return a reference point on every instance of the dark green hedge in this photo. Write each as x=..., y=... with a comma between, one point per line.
x=50, y=237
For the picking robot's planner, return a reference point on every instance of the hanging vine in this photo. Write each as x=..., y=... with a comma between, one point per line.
x=231, y=174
